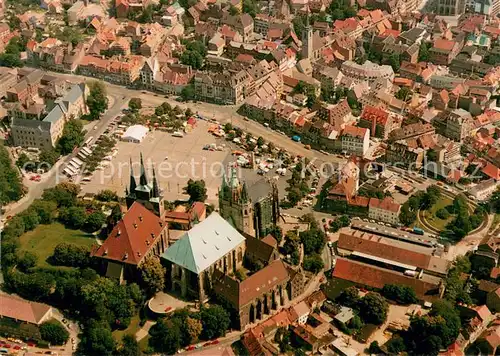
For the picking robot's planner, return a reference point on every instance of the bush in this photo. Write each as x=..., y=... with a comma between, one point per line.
x=443, y=214
x=54, y=332
x=70, y=255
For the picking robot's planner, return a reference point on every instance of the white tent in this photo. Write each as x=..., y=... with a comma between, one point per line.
x=135, y=133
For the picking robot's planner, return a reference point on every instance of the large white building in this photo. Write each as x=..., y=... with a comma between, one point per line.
x=355, y=140
x=484, y=190
x=44, y=134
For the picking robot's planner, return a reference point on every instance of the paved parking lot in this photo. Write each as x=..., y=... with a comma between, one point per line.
x=175, y=161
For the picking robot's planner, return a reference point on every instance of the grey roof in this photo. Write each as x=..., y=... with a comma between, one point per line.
x=54, y=115
x=204, y=244
x=62, y=104
x=30, y=124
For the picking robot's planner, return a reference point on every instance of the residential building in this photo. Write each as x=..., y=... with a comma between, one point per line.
x=45, y=133
x=443, y=51
x=355, y=140
x=385, y=210
x=223, y=88
x=459, y=124
x=367, y=71
x=483, y=190
x=8, y=78
x=379, y=121
x=75, y=12
x=399, y=152
x=120, y=71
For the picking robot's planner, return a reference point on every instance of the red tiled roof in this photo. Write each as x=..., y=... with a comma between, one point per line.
x=22, y=310
x=371, y=113
x=386, y=204
x=377, y=277
x=354, y=131
x=262, y=281
x=371, y=245
x=491, y=171
x=442, y=44
x=133, y=236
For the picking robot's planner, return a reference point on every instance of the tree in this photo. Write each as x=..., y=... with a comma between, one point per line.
x=194, y=328
x=250, y=7
x=64, y=194
x=54, y=332
x=188, y=92
x=260, y=141
x=27, y=261
x=129, y=347
x=106, y=195
x=314, y=240
x=373, y=308
x=11, y=188
x=215, y=320
x=400, y=293
x=97, y=100
x=165, y=337
x=404, y=93
x=46, y=210
x=72, y=136
x=97, y=340
x=153, y=275
x=431, y=155
x=423, y=54
x=73, y=217
x=481, y=266
x=94, y=221
x=396, y=345
x=22, y=160
x=196, y=190
x=192, y=58
x=349, y=297
x=48, y=157
x=395, y=62
x=66, y=254
x=443, y=214
x=314, y=263
x=135, y=104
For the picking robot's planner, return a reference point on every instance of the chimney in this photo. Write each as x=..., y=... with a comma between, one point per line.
x=125, y=256
x=119, y=232
x=140, y=217
x=135, y=225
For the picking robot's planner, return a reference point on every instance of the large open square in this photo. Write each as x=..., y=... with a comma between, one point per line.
x=175, y=159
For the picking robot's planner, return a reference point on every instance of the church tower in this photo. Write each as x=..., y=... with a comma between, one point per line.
x=235, y=204
x=148, y=194
x=307, y=39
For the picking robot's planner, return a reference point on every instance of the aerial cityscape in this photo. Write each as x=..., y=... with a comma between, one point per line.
x=249, y=177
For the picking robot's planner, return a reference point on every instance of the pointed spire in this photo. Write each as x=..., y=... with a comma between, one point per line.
x=143, y=179
x=244, y=193
x=133, y=183
x=156, y=189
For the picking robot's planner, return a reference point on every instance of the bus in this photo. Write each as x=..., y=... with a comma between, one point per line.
x=88, y=141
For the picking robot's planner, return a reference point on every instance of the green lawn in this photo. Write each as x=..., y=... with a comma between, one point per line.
x=431, y=217
x=45, y=238
x=132, y=329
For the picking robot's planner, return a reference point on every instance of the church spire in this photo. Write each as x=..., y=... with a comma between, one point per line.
x=156, y=189
x=143, y=179
x=133, y=184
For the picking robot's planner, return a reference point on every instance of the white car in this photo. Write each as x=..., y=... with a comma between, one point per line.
x=178, y=134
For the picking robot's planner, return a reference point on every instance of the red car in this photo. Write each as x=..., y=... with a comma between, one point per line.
x=7, y=346
x=207, y=344
x=17, y=347
x=30, y=344
x=190, y=348
x=215, y=342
